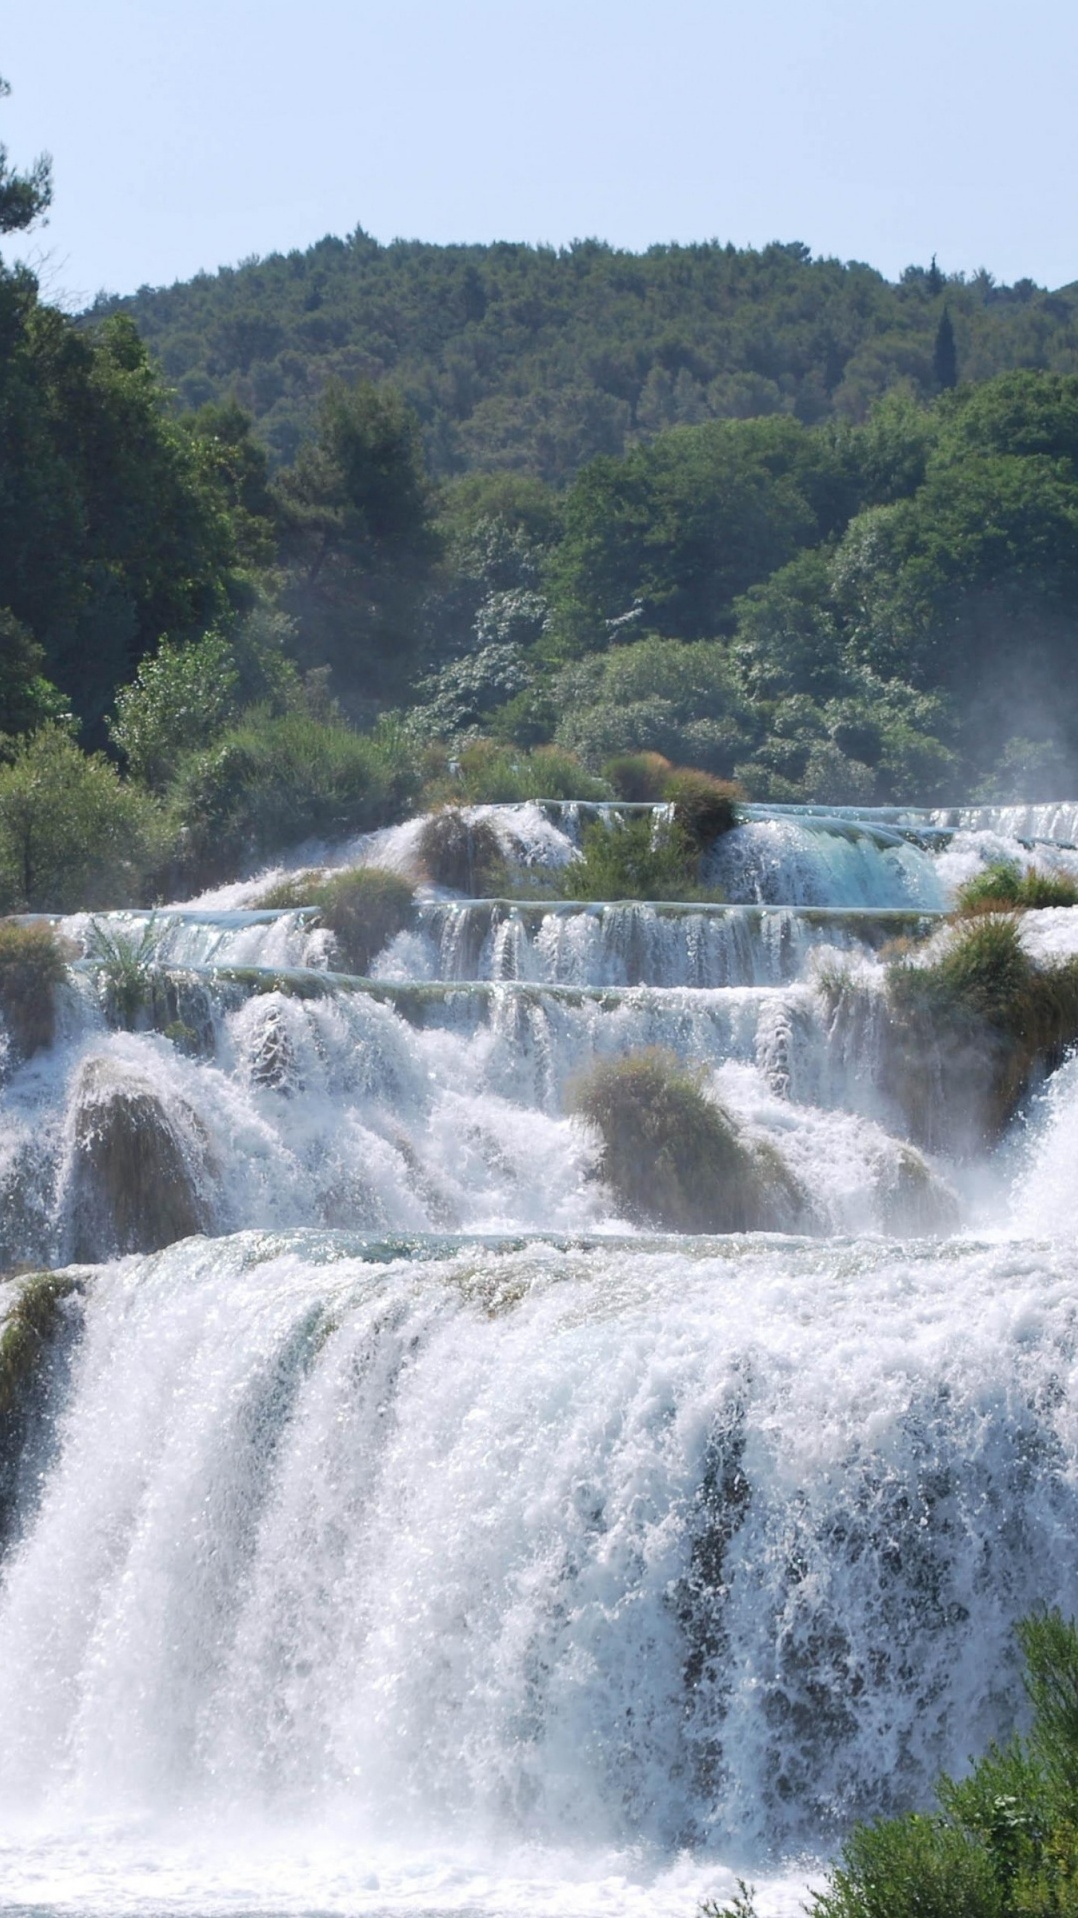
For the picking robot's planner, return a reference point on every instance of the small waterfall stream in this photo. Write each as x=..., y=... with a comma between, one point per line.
x=417, y=1535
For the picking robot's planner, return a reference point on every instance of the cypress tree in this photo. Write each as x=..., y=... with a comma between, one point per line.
x=945, y=354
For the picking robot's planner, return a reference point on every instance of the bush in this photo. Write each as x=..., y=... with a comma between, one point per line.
x=364, y=908
x=983, y=1017
x=273, y=782
x=1003, y=887
x=704, y=807
x=638, y=777
x=642, y=856
x=673, y=1158
x=461, y=853
x=31, y=967
x=1004, y=1843
x=487, y=773
x=72, y=834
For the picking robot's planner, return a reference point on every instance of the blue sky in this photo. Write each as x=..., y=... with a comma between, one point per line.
x=189, y=136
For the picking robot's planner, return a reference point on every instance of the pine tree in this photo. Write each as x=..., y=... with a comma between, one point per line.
x=935, y=279
x=945, y=355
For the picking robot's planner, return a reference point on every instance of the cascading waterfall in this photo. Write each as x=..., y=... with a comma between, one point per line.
x=419, y=1535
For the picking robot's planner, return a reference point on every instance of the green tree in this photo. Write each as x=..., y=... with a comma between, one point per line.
x=24, y=197
x=945, y=355
x=358, y=539
x=72, y=835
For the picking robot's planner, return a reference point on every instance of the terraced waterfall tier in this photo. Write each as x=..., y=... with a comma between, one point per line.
x=389, y=1521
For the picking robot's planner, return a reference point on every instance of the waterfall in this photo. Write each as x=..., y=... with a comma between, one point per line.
x=421, y=1534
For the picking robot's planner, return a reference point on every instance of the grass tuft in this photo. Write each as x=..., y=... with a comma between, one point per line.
x=463, y=854
x=1003, y=887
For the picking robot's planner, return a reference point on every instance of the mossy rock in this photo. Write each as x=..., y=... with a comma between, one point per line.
x=139, y=1168
x=913, y=1201
x=32, y=964
x=674, y=1158
x=30, y=1334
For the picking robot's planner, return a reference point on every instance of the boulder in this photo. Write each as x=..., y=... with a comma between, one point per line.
x=140, y=1166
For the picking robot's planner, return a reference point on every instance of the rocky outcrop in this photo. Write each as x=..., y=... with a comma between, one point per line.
x=140, y=1168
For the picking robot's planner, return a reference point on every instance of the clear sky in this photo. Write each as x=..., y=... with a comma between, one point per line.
x=190, y=135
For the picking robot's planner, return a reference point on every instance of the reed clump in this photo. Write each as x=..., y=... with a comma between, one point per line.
x=32, y=964
x=1004, y=887
x=638, y=777
x=673, y=1158
x=364, y=907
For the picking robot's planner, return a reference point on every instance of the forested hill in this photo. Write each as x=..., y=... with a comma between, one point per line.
x=534, y=359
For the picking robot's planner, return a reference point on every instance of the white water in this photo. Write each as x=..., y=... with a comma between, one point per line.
x=563, y=1574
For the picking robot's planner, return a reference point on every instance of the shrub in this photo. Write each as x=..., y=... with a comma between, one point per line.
x=982, y=1018
x=671, y=1155
x=704, y=807
x=461, y=853
x=487, y=773
x=1004, y=1843
x=642, y=856
x=364, y=907
x=1003, y=887
x=72, y=834
x=31, y=967
x=638, y=777
x=273, y=782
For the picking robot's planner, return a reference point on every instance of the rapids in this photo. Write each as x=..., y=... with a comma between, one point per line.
x=422, y=1537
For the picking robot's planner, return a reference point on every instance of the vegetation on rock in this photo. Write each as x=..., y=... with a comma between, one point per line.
x=648, y=855
x=32, y=964
x=364, y=907
x=29, y=1331
x=1004, y=887
x=673, y=1158
x=462, y=853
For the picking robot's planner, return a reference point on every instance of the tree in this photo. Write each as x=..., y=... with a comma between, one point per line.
x=357, y=537
x=24, y=197
x=945, y=355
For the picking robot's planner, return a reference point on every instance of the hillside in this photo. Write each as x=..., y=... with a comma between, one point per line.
x=537, y=360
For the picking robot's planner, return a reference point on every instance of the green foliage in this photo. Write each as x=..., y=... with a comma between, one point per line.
x=704, y=808
x=32, y=964
x=984, y=1014
x=27, y=698
x=364, y=907
x=24, y=197
x=463, y=854
x=638, y=777
x=271, y=782
x=529, y=362
x=116, y=528
x=483, y=772
x=127, y=966
x=911, y=1867
x=641, y=856
x=1004, y=1843
x=672, y=1157
x=72, y=834
x=1004, y=887
x=357, y=539
x=185, y=696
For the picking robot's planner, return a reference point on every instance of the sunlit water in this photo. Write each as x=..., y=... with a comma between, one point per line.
x=426, y=1540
